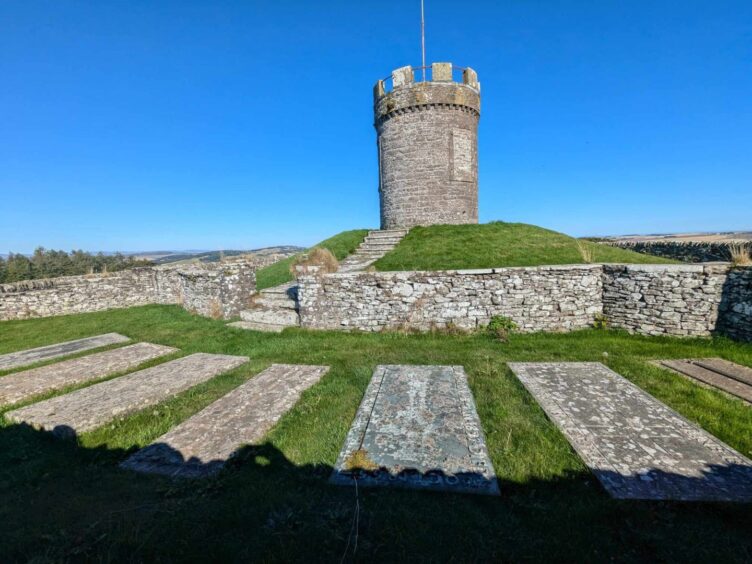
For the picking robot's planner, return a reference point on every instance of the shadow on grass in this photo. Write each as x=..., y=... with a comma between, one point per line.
x=61, y=501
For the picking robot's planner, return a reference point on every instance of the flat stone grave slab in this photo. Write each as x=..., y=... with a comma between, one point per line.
x=732, y=378
x=89, y=408
x=417, y=427
x=31, y=356
x=635, y=445
x=28, y=383
x=201, y=445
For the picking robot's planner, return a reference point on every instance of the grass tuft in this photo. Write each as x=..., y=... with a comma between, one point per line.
x=740, y=255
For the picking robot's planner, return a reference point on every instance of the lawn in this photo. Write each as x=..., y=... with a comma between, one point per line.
x=70, y=501
x=497, y=244
x=341, y=245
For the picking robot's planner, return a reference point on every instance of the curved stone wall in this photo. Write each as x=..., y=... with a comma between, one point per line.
x=427, y=139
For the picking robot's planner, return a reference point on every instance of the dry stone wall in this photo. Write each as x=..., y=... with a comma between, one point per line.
x=219, y=293
x=693, y=251
x=735, y=309
x=677, y=300
x=218, y=287
x=664, y=299
x=686, y=300
x=547, y=298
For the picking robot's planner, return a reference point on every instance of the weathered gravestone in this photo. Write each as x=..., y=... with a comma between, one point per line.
x=31, y=356
x=86, y=409
x=417, y=427
x=201, y=445
x=635, y=445
x=22, y=385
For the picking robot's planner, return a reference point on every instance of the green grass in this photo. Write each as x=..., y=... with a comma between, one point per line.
x=341, y=245
x=62, y=501
x=497, y=244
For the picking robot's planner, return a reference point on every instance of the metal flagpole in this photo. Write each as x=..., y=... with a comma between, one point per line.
x=423, y=38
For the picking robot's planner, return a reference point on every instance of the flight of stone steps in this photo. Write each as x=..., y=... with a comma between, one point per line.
x=276, y=308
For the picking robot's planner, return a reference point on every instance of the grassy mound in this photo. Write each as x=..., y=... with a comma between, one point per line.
x=446, y=247
x=341, y=245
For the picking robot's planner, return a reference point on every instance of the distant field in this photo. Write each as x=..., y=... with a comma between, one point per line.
x=497, y=244
x=215, y=256
x=725, y=237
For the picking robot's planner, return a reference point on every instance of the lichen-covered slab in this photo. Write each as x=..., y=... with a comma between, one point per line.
x=31, y=356
x=19, y=386
x=88, y=408
x=201, y=445
x=417, y=427
x=635, y=445
x=704, y=373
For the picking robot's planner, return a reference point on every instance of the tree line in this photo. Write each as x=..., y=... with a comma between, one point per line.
x=46, y=263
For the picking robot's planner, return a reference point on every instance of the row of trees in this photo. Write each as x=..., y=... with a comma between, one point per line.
x=49, y=264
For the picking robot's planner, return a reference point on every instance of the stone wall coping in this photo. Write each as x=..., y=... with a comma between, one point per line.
x=696, y=267
x=710, y=267
x=43, y=283
x=470, y=272
x=216, y=269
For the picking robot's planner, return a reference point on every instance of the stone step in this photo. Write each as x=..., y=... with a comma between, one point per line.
x=710, y=378
x=380, y=242
x=86, y=409
x=254, y=326
x=375, y=249
x=289, y=290
x=275, y=301
x=201, y=445
x=32, y=356
x=387, y=233
x=23, y=385
x=273, y=316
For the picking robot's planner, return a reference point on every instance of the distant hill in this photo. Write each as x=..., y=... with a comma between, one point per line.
x=171, y=257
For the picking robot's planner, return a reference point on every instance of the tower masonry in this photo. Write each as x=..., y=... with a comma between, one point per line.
x=427, y=136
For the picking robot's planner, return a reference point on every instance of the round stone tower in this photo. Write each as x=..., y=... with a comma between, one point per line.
x=427, y=135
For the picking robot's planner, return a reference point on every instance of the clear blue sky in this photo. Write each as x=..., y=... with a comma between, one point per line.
x=136, y=125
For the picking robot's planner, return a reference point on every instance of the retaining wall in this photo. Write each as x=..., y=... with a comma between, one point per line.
x=216, y=287
x=219, y=293
x=547, y=298
x=678, y=300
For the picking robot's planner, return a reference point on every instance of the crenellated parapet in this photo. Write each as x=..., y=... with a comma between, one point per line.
x=438, y=90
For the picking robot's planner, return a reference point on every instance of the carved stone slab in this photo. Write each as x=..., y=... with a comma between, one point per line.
x=635, y=445
x=201, y=445
x=731, y=379
x=24, y=358
x=88, y=408
x=417, y=427
x=28, y=383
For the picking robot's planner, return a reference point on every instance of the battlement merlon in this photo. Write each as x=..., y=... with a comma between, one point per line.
x=441, y=89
